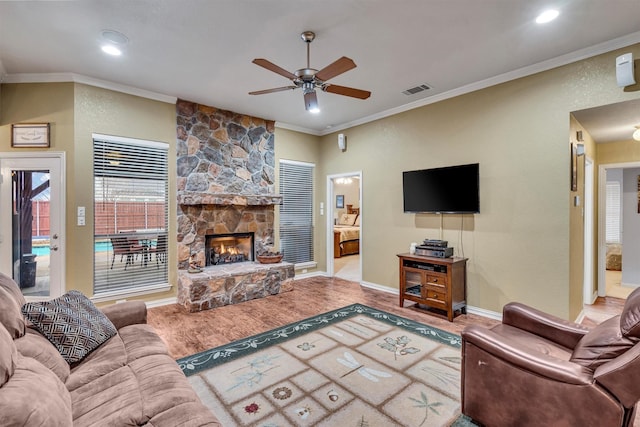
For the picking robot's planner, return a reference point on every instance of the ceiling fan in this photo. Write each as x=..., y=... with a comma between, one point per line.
x=310, y=79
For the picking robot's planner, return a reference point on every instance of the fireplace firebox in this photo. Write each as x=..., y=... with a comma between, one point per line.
x=228, y=248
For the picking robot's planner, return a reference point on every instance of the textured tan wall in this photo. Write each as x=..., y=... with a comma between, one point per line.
x=302, y=147
x=111, y=113
x=577, y=220
x=519, y=245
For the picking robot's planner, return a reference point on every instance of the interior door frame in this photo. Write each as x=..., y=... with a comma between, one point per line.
x=590, y=293
x=602, y=216
x=329, y=218
x=59, y=272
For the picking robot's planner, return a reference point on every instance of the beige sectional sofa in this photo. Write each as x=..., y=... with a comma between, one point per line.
x=130, y=380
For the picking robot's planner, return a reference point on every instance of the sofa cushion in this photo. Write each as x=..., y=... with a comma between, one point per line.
x=12, y=287
x=8, y=355
x=109, y=400
x=34, y=396
x=603, y=343
x=10, y=315
x=72, y=323
x=630, y=317
x=141, y=341
x=162, y=384
x=185, y=414
x=36, y=346
x=109, y=357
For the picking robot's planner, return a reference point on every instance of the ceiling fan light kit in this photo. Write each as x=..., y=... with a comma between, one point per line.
x=310, y=79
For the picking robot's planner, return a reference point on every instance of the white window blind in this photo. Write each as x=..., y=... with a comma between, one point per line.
x=296, y=211
x=130, y=215
x=613, y=217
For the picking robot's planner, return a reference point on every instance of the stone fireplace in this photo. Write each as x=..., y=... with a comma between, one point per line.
x=226, y=186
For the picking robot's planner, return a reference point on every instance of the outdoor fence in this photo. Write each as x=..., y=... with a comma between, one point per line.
x=110, y=217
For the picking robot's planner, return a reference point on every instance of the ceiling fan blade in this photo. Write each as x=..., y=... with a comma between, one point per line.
x=277, y=89
x=347, y=91
x=336, y=68
x=311, y=102
x=273, y=67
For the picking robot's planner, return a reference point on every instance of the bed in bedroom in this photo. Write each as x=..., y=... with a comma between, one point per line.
x=346, y=233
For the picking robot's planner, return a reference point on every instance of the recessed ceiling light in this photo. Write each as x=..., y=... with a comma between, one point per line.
x=111, y=50
x=113, y=42
x=547, y=16
x=115, y=37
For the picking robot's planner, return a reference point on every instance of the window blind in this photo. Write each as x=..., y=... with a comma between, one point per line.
x=613, y=217
x=296, y=211
x=130, y=215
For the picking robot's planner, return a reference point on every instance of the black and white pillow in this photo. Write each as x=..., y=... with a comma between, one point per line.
x=73, y=324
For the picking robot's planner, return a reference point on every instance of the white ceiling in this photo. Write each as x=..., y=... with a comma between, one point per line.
x=201, y=50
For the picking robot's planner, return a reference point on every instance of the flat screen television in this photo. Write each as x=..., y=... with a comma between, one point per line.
x=452, y=189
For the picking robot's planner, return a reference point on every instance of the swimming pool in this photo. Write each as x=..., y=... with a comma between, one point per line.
x=44, y=250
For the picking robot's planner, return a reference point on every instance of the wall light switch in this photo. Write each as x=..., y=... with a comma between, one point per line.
x=81, y=211
x=81, y=221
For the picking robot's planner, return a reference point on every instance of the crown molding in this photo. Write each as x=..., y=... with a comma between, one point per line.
x=90, y=81
x=556, y=62
x=549, y=64
x=298, y=129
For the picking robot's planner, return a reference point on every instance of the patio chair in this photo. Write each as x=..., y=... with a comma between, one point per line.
x=160, y=249
x=123, y=246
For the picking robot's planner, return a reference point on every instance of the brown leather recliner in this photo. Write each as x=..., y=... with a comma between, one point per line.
x=535, y=369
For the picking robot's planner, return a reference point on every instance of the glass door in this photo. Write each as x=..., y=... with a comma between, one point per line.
x=31, y=249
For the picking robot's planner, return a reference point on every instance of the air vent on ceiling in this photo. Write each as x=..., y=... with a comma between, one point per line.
x=416, y=89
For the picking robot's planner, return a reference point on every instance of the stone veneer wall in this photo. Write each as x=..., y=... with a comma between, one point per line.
x=226, y=177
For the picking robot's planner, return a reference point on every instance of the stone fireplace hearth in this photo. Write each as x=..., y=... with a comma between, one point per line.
x=226, y=185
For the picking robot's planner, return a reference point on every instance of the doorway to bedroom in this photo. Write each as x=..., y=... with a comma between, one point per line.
x=344, y=235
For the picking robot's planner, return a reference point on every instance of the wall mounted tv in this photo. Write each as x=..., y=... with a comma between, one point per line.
x=452, y=189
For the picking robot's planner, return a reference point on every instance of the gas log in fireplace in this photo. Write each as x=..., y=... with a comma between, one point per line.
x=228, y=248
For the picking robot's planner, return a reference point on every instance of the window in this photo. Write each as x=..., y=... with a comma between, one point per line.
x=296, y=211
x=613, y=219
x=130, y=215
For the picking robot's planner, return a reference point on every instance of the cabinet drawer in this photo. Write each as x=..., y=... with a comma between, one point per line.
x=435, y=298
x=436, y=281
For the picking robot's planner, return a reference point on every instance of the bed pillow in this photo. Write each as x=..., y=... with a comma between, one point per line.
x=347, y=219
x=357, y=221
x=71, y=323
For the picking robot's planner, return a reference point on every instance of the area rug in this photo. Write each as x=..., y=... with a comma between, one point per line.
x=355, y=366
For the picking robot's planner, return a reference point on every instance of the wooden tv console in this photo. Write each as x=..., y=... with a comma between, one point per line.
x=438, y=283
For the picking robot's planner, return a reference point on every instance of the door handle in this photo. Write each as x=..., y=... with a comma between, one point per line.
x=55, y=236
x=54, y=247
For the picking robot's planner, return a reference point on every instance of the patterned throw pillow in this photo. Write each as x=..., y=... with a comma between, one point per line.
x=72, y=323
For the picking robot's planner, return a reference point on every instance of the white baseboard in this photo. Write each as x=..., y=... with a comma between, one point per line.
x=484, y=313
x=312, y=274
x=377, y=287
x=161, y=302
x=580, y=317
x=470, y=309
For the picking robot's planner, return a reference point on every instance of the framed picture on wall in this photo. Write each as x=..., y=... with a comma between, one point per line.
x=30, y=135
x=340, y=201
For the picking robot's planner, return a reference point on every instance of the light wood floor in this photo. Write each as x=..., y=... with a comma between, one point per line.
x=188, y=333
